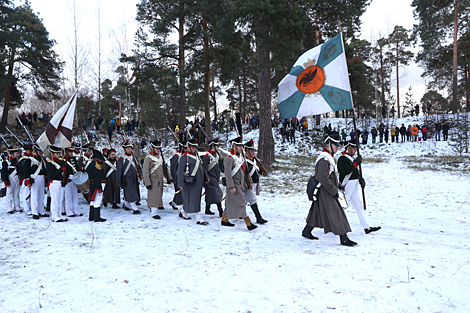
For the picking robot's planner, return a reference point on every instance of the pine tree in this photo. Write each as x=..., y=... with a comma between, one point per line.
x=399, y=41
x=26, y=45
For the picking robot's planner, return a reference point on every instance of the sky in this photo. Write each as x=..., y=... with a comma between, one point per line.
x=119, y=26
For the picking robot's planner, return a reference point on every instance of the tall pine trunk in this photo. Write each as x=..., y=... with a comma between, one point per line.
x=266, y=140
x=6, y=107
x=454, y=70
x=182, y=89
x=398, y=87
x=207, y=80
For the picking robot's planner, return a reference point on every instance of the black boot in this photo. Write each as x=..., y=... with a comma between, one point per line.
x=208, y=210
x=259, y=219
x=372, y=229
x=345, y=241
x=48, y=204
x=115, y=206
x=97, y=215
x=219, y=208
x=91, y=216
x=307, y=233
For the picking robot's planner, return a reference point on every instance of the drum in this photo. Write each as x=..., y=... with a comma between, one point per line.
x=80, y=179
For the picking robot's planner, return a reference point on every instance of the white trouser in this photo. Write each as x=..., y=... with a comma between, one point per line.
x=353, y=192
x=250, y=195
x=71, y=199
x=37, y=195
x=13, y=194
x=57, y=199
x=26, y=192
x=199, y=217
x=154, y=211
x=131, y=205
x=98, y=198
x=182, y=211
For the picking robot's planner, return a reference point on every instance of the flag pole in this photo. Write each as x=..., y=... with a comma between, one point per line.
x=358, y=154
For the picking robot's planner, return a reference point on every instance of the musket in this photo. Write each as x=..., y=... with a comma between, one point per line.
x=14, y=136
x=248, y=181
x=25, y=129
x=165, y=168
x=3, y=138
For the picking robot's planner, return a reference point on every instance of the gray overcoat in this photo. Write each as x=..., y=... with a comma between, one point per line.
x=155, y=180
x=178, y=197
x=327, y=212
x=191, y=191
x=235, y=204
x=213, y=192
x=111, y=191
x=130, y=181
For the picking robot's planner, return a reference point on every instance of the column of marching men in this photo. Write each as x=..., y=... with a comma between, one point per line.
x=29, y=175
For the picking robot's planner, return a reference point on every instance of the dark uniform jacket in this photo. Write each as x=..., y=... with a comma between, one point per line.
x=347, y=166
x=55, y=169
x=29, y=167
x=96, y=176
x=8, y=167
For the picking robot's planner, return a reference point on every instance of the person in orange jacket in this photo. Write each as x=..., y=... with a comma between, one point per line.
x=414, y=132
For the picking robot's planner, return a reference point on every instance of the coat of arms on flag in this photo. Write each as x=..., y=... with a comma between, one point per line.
x=318, y=82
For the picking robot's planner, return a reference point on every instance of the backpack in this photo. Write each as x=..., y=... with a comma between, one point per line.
x=312, y=188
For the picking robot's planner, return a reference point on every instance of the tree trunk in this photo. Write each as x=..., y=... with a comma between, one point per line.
x=454, y=70
x=6, y=107
x=207, y=80
x=182, y=89
x=244, y=99
x=398, y=86
x=266, y=140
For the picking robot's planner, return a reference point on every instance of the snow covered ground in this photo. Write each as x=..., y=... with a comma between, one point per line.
x=418, y=262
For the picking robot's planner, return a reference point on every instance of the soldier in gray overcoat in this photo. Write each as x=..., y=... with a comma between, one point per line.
x=212, y=164
x=177, y=202
x=326, y=212
x=112, y=192
x=190, y=168
x=235, y=203
x=127, y=177
x=153, y=171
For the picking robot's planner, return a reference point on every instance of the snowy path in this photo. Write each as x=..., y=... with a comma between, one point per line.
x=419, y=261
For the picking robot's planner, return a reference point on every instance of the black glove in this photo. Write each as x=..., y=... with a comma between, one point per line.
x=341, y=187
x=362, y=182
x=63, y=184
x=358, y=160
x=336, y=196
x=148, y=187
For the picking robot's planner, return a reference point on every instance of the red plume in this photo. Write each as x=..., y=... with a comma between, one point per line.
x=241, y=136
x=251, y=140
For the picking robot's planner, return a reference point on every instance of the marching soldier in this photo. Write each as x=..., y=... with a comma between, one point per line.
x=348, y=168
x=111, y=191
x=127, y=177
x=326, y=212
x=97, y=178
x=71, y=191
x=10, y=177
x=253, y=170
x=235, y=202
x=177, y=202
x=34, y=180
x=154, y=170
x=212, y=164
x=56, y=171
x=191, y=179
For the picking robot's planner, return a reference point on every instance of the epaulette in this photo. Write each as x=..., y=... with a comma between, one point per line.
x=186, y=153
x=206, y=154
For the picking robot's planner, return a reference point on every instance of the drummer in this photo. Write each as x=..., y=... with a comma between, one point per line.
x=71, y=191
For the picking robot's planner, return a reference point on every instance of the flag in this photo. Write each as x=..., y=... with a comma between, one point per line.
x=59, y=130
x=318, y=82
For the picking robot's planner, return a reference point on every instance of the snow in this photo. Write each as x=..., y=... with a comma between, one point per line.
x=419, y=261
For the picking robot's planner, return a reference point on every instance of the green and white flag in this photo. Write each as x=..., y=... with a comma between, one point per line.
x=318, y=82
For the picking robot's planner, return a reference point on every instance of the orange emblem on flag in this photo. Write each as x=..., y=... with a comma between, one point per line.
x=311, y=79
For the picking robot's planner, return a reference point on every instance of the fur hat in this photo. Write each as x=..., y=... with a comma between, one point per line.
x=156, y=144
x=126, y=144
x=54, y=149
x=192, y=142
x=249, y=145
